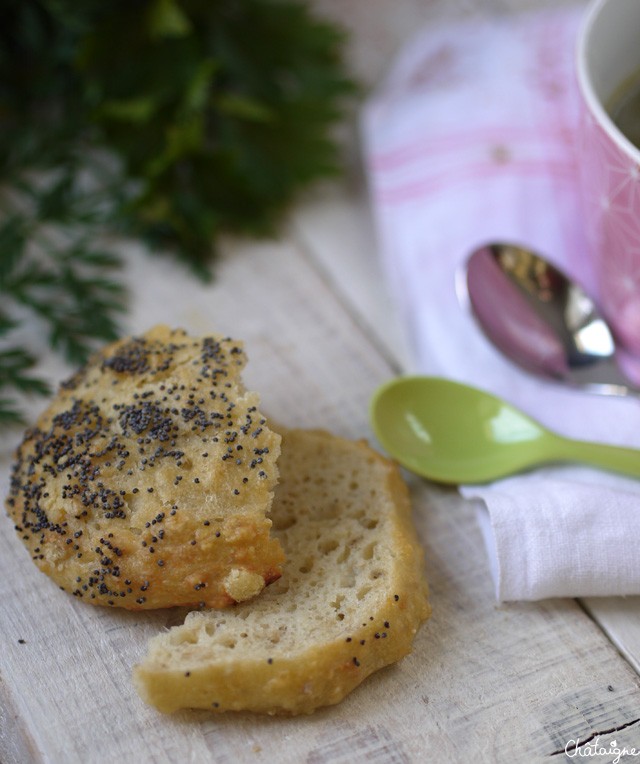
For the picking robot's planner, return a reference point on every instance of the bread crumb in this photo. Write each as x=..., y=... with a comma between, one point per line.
x=242, y=584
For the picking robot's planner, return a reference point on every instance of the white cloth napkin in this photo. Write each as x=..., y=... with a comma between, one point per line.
x=471, y=139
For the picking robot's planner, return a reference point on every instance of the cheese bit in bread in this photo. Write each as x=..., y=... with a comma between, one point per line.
x=350, y=600
x=148, y=481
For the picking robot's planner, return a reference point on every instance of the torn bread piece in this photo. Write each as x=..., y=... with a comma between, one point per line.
x=350, y=600
x=148, y=481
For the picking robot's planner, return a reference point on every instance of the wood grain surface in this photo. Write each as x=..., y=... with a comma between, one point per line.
x=485, y=682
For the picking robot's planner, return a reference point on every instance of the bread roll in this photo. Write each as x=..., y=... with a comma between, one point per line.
x=148, y=481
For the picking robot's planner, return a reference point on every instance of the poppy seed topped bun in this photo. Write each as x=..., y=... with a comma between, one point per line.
x=148, y=480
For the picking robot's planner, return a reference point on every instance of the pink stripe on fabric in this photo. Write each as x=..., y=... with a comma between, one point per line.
x=393, y=158
x=563, y=171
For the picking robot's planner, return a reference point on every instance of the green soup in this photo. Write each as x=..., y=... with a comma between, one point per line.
x=625, y=109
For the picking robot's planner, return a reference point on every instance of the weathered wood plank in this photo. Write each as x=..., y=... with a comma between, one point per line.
x=336, y=232
x=619, y=618
x=483, y=683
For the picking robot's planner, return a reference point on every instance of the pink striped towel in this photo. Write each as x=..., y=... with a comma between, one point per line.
x=471, y=139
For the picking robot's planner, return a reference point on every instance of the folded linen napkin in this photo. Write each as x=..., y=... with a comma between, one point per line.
x=472, y=139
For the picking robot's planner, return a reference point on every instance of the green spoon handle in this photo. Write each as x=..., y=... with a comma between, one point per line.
x=614, y=458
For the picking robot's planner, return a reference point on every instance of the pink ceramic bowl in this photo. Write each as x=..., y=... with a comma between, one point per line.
x=608, y=55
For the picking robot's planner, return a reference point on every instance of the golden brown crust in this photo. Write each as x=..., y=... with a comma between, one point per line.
x=148, y=479
x=350, y=600
x=322, y=675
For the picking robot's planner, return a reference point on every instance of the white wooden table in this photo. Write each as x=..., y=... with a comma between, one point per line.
x=485, y=683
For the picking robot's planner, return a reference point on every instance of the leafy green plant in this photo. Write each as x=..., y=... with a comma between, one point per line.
x=191, y=118
x=53, y=271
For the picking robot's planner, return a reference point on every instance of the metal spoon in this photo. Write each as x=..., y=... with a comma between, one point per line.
x=453, y=433
x=542, y=320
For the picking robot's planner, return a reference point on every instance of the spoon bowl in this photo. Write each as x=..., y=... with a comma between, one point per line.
x=542, y=320
x=453, y=433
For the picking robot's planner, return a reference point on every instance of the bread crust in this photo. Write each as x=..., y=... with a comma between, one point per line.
x=365, y=584
x=147, y=481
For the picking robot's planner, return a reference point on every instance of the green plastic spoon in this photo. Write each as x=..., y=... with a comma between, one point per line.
x=453, y=433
